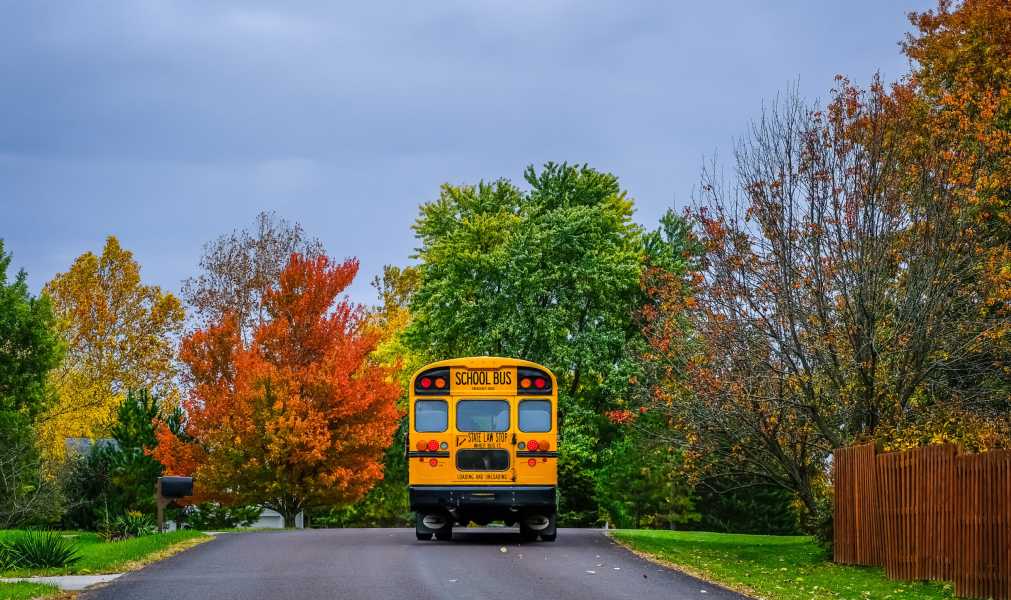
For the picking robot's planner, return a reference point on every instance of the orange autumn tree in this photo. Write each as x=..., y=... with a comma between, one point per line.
x=961, y=55
x=298, y=417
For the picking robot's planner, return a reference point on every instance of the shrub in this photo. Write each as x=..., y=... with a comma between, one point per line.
x=115, y=477
x=38, y=549
x=132, y=524
x=211, y=515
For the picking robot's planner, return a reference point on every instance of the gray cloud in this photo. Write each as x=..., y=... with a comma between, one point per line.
x=168, y=123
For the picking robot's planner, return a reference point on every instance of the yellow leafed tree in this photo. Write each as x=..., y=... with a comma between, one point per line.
x=396, y=286
x=120, y=335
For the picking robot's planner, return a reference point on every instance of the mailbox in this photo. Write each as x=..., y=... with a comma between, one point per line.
x=175, y=487
x=168, y=489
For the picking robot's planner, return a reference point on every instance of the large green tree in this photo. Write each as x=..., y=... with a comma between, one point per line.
x=29, y=349
x=549, y=274
x=29, y=345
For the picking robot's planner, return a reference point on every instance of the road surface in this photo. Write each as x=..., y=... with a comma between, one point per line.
x=380, y=564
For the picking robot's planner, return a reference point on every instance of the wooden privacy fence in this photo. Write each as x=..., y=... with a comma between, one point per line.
x=929, y=513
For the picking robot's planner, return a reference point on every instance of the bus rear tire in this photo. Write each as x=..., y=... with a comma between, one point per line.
x=422, y=532
x=445, y=534
x=549, y=533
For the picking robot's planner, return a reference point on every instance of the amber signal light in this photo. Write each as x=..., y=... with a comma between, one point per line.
x=426, y=383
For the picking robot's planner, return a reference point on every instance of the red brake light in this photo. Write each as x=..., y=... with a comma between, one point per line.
x=532, y=445
x=539, y=383
x=532, y=462
x=433, y=445
x=422, y=445
x=433, y=462
x=544, y=445
x=426, y=382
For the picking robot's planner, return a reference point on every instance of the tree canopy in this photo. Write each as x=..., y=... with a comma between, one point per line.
x=301, y=415
x=546, y=274
x=237, y=267
x=119, y=333
x=30, y=345
x=30, y=349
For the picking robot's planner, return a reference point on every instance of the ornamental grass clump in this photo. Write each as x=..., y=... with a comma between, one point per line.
x=132, y=524
x=38, y=549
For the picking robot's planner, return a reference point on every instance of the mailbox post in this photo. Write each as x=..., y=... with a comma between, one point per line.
x=168, y=489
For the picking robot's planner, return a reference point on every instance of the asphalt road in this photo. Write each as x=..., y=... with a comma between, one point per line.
x=379, y=564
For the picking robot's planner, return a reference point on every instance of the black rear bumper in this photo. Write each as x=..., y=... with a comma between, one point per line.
x=484, y=499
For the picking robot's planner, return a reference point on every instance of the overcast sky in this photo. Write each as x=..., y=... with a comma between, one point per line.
x=170, y=123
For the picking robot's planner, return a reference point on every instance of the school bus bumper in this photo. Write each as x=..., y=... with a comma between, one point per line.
x=468, y=498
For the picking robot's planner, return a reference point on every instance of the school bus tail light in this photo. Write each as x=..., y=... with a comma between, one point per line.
x=422, y=445
x=432, y=381
x=433, y=445
x=533, y=381
x=543, y=445
x=433, y=462
x=532, y=445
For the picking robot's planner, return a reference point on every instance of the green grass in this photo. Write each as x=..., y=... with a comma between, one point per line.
x=98, y=556
x=26, y=591
x=774, y=567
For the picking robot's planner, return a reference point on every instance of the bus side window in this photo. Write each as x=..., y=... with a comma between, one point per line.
x=535, y=416
x=431, y=416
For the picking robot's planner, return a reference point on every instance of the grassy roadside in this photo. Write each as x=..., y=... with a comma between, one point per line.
x=98, y=556
x=26, y=591
x=772, y=567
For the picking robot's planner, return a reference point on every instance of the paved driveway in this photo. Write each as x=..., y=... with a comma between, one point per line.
x=377, y=564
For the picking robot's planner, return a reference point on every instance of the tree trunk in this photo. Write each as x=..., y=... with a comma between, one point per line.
x=289, y=518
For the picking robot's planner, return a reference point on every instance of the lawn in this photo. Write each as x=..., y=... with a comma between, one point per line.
x=98, y=556
x=26, y=591
x=773, y=567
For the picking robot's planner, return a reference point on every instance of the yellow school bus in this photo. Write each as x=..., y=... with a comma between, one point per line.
x=483, y=446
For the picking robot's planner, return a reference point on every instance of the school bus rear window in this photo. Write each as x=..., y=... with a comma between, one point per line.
x=482, y=460
x=482, y=415
x=431, y=416
x=535, y=416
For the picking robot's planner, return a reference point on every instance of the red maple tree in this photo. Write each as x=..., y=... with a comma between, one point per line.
x=298, y=417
